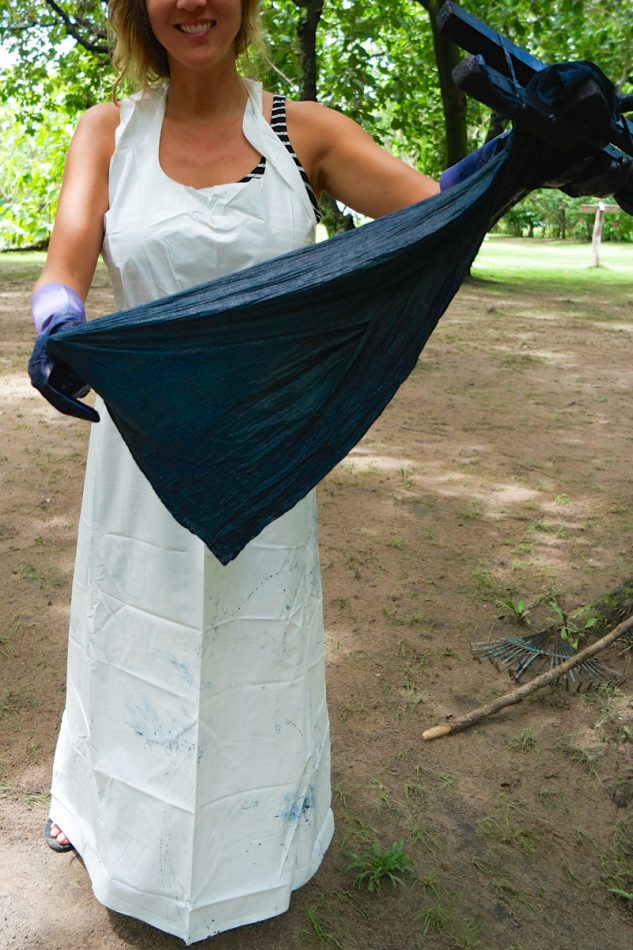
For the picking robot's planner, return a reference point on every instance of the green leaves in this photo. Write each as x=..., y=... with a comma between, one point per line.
x=31, y=165
x=376, y=62
x=375, y=865
x=573, y=626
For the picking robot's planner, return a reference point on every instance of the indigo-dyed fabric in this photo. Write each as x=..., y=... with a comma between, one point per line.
x=238, y=396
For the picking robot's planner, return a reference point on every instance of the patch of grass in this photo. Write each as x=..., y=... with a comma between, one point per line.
x=514, y=804
x=522, y=359
x=447, y=652
x=356, y=901
x=21, y=266
x=407, y=472
x=396, y=542
x=11, y=704
x=319, y=929
x=415, y=694
x=376, y=866
x=473, y=511
x=555, y=797
x=414, y=790
x=28, y=573
x=414, y=619
x=582, y=757
x=506, y=890
x=432, y=885
x=569, y=872
x=436, y=917
x=340, y=795
x=384, y=798
x=7, y=647
x=564, y=268
x=503, y=887
x=563, y=500
x=471, y=935
x=505, y=833
x=348, y=711
x=38, y=798
x=617, y=863
x=586, y=842
x=486, y=589
x=52, y=576
x=424, y=836
x=360, y=830
x=523, y=741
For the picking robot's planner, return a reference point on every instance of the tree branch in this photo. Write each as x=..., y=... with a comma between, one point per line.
x=74, y=27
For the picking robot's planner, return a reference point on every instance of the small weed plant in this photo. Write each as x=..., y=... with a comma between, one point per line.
x=573, y=626
x=517, y=609
x=377, y=865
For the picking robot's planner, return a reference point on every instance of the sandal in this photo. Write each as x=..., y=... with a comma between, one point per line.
x=52, y=841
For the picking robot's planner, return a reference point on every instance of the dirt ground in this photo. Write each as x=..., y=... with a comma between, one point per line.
x=503, y=467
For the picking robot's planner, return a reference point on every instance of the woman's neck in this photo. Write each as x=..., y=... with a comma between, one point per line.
x=199, y=95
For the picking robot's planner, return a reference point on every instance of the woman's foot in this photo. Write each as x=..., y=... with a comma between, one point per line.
x=55, y=837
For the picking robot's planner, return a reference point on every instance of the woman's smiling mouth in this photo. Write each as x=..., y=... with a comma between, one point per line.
x=195, y=28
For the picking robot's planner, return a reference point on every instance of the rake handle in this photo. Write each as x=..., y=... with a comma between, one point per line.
x=517, y=695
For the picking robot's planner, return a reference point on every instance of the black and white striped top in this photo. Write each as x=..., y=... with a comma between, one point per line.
x=279, y=127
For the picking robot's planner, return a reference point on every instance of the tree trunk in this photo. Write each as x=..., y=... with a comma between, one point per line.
x=447, y=56
x=310, y=12
x=562, y=219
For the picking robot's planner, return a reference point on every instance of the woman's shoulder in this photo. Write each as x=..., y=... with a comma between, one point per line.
x=316, y=127
x=315, y=120
x=307, y=112
x=104, y=117
x=95, y=134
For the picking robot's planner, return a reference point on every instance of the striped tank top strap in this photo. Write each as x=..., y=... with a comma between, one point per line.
x=280, y=128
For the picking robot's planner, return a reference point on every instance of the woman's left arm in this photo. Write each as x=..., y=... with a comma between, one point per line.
x=340, y=158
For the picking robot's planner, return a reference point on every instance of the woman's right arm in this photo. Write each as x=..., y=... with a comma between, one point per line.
x=78, y=232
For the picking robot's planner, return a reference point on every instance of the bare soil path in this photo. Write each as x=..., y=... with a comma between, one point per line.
x=504, y=464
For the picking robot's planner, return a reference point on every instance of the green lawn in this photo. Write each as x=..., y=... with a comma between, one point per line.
x=510, y=260
x=560, y=262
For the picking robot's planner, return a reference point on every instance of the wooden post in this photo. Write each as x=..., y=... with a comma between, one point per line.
x=600, y=210
x=596, y=237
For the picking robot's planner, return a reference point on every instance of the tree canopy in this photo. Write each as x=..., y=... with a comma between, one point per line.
x=381, y=63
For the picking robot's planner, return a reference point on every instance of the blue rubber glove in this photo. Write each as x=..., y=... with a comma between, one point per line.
x=52, y=378
x=473, y=162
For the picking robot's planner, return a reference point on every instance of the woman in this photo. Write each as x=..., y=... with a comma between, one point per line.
x=192, y=768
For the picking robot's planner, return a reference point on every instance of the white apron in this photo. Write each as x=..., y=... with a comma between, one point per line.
x=192, y=768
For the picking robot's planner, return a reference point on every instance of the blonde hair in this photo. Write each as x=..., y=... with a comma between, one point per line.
x=140, y=59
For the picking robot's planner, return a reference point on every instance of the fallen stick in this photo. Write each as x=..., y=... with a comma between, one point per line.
x=516, y=695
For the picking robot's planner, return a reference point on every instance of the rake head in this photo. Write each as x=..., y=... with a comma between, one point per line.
x=516, y=655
